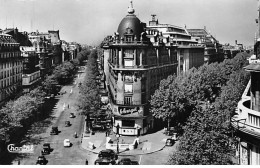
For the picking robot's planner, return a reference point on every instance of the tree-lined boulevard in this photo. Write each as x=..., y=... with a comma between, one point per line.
x=198, y=104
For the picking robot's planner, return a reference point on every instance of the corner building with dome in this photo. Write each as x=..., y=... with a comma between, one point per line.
x=136, y=58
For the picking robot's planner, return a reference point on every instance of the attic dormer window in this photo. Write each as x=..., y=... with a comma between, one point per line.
x=129, y=31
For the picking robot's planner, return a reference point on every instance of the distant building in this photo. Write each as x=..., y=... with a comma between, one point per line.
x=48, y=48
x=74, y=49
x=213, y=51
x=10, y=68
x=31, y=71
x=189, y=52
x=43, y=50
x=231, y=51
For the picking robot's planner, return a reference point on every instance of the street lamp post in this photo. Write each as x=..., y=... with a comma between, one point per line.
x=117, y=136
x=117, y=146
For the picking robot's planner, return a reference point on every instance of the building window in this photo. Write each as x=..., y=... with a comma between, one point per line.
x=128, y=123
x=128, y=88
x=128, y=78
x=128, y=100
x=129, y=63
x=129, y=54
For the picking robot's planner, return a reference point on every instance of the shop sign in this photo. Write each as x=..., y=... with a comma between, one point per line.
x=124, y=110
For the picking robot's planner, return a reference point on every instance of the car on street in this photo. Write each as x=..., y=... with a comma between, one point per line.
x=66, y=143
x=127, y=161
x=41, y=160
x=169, y=142
x=106, y=156
x=124, y=161
x=134, y=162
x=54, y=131
x=46, y=149
x=67, y=123
x=72, y=115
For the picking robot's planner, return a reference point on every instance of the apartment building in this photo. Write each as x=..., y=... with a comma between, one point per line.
x=10, y=68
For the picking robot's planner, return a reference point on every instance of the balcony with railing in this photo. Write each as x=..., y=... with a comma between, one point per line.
x=246, y=119
x=128, y=103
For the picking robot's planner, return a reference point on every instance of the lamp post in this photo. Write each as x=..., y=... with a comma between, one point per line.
x=117, y=136
x=117, y=146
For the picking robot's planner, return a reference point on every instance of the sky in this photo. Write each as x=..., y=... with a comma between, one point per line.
x=90, y=21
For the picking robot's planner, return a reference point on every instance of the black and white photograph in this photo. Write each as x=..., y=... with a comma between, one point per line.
x=129, y=82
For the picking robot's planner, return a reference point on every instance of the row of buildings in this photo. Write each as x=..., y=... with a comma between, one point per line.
x=138, y=56
x=26, y=59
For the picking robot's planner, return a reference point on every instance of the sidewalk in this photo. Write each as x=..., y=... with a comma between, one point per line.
x=149, y=143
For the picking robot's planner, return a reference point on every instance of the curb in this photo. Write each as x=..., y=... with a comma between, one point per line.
x=121, y=154
x=146, y=153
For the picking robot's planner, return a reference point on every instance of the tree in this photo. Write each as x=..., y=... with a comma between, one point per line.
x=207, y=137
x=169, y=102
x=89, y=99
x=64, y=73
x=231, y=93
x=205, y=140
x=49, y=84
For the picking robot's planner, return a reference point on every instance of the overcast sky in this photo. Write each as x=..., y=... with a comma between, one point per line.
x=89, y=21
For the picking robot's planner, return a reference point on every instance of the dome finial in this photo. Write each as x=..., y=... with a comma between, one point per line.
x=131, y=9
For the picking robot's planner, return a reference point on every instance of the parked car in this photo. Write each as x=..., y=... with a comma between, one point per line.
x=54, y=131
x=66, y=143
x=127, y=161
x=41, y=160
x=107, y=156
x=67, y=123
x=124, y=161
x=72, y=115
x=46, y=149
x=134, y=163
x=169, y=142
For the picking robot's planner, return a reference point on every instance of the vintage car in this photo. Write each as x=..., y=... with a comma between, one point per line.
x=169, y=142
x=127, y=161
x=67, y=123
x=72, y=115
x=124, y=161
x=54, y=131
x=41, y=160
x=107, y=156
x=66, y=143
x=46, y=149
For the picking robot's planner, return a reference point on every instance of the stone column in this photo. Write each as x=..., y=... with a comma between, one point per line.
x=117, y=63
x=169, y=52
x=120, y=58
x=157, y=54
x=141, y=58
x=134, y=57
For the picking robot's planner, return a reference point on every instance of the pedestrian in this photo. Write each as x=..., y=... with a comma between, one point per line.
x=68, y=106
x=18, y=162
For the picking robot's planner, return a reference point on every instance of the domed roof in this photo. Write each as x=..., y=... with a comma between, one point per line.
x=130, y=23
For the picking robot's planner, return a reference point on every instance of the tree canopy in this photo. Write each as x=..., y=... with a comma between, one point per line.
x=207, y=97
x=89, y=98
